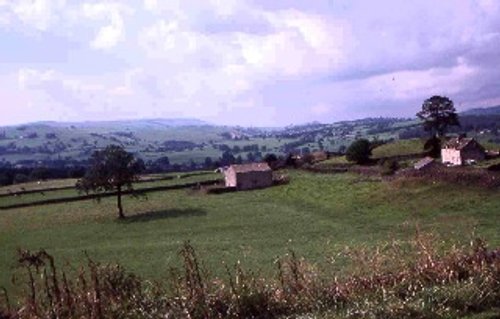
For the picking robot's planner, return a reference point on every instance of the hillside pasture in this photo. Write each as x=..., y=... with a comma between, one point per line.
x=38, y=185
x=147, y=182
x=335, y=160
x=315, y=215
x=399, y=147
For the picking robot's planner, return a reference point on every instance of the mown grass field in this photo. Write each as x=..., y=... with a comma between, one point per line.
x=315, y=215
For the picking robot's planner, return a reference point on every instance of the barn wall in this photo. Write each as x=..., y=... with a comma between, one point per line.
x=230, y=177
x=250, y=180
x=449, y=155
x=473, y=153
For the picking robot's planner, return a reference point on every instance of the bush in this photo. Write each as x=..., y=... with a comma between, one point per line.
x=20, y=178
x=359, y=151
x=40, y=173
x=494, y=168
x=5, y=179
x=389, y=166
x=270, y=158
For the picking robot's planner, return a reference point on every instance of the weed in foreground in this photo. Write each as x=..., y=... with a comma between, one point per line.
x=415, y=280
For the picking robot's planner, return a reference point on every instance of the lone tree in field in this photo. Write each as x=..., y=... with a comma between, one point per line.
x=112, y=169
x=438, y=113
x=359, y=151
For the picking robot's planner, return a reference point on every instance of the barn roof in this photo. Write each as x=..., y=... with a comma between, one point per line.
x=423, y=162
x=319, y=154
x=251, y=167
x=458, y=143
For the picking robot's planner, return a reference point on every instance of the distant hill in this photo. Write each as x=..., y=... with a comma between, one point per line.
x=129, y=123
x=492, y=110
x=192, y=142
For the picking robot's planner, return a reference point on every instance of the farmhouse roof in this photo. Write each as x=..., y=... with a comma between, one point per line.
x=458, y=143
x=252, y=167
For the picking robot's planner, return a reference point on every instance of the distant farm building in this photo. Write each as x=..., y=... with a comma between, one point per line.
x=249, y=176
x=314, y=157
x=462, y=150
x=319, y=156
x=424, y=163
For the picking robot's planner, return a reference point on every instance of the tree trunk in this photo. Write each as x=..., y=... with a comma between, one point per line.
x=119, y=203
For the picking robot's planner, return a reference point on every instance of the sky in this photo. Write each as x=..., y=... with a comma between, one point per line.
x=244, y=62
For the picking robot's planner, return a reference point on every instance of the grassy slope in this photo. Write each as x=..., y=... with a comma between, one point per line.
x=400, y=147
x=55, y=183
x=315, y=215
x=10, y=200
x=335, y=160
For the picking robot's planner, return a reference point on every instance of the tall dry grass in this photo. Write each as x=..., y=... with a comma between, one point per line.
x=398, y=280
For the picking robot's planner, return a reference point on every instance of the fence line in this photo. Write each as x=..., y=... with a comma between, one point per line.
x=52, y=189
x=102, y=195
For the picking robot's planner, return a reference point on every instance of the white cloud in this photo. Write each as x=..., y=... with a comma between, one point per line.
x=150, y=5
x=58, y=89
x=409, y=85
x=223, y=69
x=489, y=6
x=234, y=59
x=111, y=34
x=39, y=14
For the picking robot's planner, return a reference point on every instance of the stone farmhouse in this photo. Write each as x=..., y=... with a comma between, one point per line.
x=462, y=150
x=248, y=176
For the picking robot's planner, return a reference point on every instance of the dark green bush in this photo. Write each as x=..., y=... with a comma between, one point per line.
x=389, y=166
x=20, y=178
x=359, y=151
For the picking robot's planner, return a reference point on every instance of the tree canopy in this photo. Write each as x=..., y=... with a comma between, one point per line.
x=111, y=169
x=438, y=113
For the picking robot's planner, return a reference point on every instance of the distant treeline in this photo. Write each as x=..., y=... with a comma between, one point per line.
x=16, y=175
x=31, y=170
x=468, y=123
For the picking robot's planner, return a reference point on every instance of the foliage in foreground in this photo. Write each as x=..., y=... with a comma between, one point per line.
x=396, y=281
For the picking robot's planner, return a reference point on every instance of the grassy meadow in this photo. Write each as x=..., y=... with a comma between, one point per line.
x=314, y=215
x=400, y=147
x=66, y=193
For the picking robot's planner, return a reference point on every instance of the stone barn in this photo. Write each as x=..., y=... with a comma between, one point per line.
x=319, y=156
x=248, y=176
x=461, y=150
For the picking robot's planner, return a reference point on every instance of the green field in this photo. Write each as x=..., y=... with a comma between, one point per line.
x=401, y=147
x=67, y=193
x=315, y=215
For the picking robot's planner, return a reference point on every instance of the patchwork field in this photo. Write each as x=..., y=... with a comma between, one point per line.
x=315, y=215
